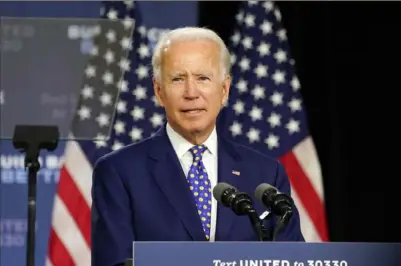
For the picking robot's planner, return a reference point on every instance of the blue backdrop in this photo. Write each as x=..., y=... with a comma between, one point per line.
x=157, y=17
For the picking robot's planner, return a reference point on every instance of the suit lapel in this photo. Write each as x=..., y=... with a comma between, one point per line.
x=168, y=174
x=228, y=161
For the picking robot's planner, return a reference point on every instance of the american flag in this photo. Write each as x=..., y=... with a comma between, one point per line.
x=121, y=58
x=265, y=109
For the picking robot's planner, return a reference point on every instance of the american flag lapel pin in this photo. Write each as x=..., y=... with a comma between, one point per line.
x=236, y=172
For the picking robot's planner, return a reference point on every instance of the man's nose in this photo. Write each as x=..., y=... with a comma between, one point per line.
x=191, y=89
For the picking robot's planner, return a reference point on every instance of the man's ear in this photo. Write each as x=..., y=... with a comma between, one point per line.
x=226, y=89
x=158, y=91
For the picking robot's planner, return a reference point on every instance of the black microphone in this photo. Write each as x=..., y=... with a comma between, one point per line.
x=229, y=196
x=241, y=204
x=278, y=203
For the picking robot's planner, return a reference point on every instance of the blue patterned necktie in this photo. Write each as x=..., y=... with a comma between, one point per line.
x=199, y=185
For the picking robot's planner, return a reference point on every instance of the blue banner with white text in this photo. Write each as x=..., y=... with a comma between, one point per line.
x=266, y=254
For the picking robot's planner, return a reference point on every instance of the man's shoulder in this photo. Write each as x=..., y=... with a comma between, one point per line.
x=131, y=152
x=250, y=154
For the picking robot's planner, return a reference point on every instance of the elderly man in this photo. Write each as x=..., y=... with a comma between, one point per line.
x=160, y=189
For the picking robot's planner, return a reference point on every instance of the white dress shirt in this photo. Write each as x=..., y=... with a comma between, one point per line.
x=209, y=159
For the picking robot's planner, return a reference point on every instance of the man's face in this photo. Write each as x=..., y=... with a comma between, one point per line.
x=192, y=88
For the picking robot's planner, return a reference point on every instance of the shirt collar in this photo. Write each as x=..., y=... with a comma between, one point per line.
x=181, y=145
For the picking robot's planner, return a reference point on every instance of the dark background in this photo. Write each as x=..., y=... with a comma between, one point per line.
x=348, y=58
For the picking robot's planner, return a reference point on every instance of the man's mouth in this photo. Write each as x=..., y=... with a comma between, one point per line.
x=192, y=111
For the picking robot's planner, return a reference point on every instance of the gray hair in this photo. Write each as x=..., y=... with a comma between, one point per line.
x=189, y=33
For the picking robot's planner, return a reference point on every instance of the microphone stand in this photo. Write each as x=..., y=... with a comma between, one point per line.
x=241, y=204
x=31, y=139
x=33, y=165
x=282, y=222
x=257, y=225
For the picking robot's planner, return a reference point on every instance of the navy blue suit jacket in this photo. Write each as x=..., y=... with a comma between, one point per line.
x=140, y=193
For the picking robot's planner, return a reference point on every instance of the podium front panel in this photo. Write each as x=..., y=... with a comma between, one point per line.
x=265, y=254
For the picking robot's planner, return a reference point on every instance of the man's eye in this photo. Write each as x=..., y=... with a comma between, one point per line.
x=203, y=78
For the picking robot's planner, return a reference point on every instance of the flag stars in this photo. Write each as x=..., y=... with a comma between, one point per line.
x=268, y=6
x=136, y=134
x=253, y=135
x=124, y=65
x=277, y=98
x=143, y=51
x=292, y=126
x=242, y=86
x=295, y=84
x=277, y=14
x=108, y=78
x=236, y=38
x=156, y=120
x=295, y=105
x=274, y=120
x=121, y=106
x=282, y=35
x=100, y=141
x=139, y=92
x=236, y=129
x=103, y=120
x=280, y=56
x=90, y=71
x=244, y=64
x=123, y=86
x=240, y=17
x=117, y=145
x=87, y=92
x=239, y=107
x=266, y=27
x=249, y=20
x=142, y=31
x=126, y=43
x=263, y=49
x=138, y=113
x=119, y=127
x=129, y=4
x=261, y=71
x=233, y=59
x=258, y=92
x=106, y=99
x=128, y=23
x=97, y=30
x=247, y=43
x=84, y=112
x=256, y=113
x=112, y=14
x=272, y=141
x=279, y=77
x=109, y=57
x=111, y=36
x=142, y=72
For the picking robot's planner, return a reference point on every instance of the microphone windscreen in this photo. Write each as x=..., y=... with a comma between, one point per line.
x=260, y=190
x=219, y=190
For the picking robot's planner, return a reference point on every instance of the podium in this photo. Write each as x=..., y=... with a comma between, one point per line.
x=264, y=254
